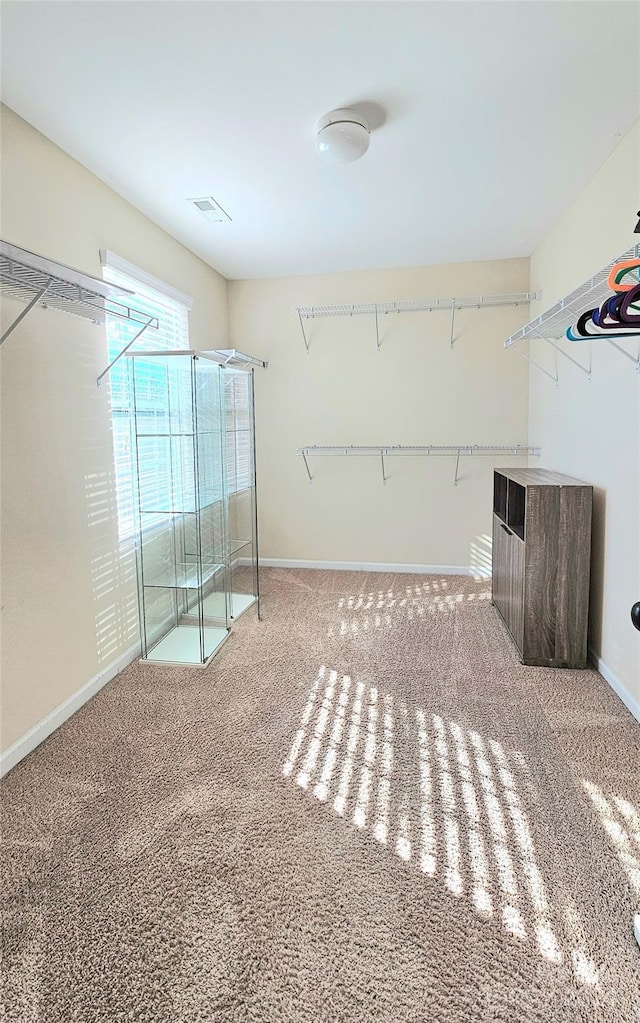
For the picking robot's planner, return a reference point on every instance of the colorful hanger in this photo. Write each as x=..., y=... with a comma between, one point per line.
x=619, y=271
x=608, y=309
x=619, y=314
x=631, y=301
x=614, y=313
x=571, y=334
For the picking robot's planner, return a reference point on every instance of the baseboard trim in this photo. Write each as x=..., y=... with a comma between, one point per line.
x=32, y=739
x=629, y=701
x=362, y=566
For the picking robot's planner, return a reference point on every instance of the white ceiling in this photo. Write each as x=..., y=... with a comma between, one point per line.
x=495, y=117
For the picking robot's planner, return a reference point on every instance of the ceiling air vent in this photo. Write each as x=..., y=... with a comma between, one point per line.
x=210, y=209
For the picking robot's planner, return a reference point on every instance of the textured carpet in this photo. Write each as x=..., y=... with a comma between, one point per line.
x=365, y=809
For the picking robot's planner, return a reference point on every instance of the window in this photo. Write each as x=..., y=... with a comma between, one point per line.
x=238, y=430
x=172, y=310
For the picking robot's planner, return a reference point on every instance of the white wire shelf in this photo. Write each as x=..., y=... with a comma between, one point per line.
x=235, y=359
x=36, y=280
x=456, y=451
x=377, y=309
x=553, y=324
x=414, y=306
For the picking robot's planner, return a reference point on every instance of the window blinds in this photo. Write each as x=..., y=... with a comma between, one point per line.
x=173, y=333
x=238, y=430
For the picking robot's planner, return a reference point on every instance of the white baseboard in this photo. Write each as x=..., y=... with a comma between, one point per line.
x=64, y=711
x=361, y=566
x=629, y=701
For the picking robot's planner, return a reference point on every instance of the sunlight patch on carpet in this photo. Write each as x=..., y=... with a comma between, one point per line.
x=621, y=821
x=449, y=801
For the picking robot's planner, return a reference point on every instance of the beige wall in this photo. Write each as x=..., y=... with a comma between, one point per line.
x=592, y=430
x=414, y=391
x=68, y=599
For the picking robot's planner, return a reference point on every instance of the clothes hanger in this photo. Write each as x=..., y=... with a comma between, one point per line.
x=609, y=310
x=619, y=271
x=592, y=324
x=631, y=301
x=618, y=311
x=581, y=325
x=619, y=314
x=571, y=334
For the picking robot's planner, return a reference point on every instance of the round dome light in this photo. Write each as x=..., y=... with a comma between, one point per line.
x=342, y=136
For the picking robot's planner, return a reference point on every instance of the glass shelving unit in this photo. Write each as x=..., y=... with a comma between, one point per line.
x=180, y=503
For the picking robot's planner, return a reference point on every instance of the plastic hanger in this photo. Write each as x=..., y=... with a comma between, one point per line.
x=631, y=301
x=581, y=325
x=609, y=309
x=617, y=312
x=612, y=319
x=571, y=334
x=618, y=273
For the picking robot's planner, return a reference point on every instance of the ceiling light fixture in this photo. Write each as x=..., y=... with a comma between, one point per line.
x=342, y=136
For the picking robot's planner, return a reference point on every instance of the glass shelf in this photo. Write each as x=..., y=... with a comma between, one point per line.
x=179, y=433
x=183, y=577
x=182, y=646
x=189, y=507
x=213, y=606
x=240, y=602
x=237, y=545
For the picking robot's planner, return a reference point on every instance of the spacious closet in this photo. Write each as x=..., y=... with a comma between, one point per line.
x=320, y=425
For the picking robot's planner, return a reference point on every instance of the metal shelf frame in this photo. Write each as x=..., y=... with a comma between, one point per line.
x=456, y=451
x=234, y=359
x=37, y=280
x=377, y=309
x=552, y=324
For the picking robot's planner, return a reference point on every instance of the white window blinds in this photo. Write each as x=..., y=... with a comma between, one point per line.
x=238, y=430
x=173, y=333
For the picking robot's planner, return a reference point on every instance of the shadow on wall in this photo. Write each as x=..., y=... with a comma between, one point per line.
x=113, y=572
x=480, y=559
x=112, y=566
x=447, y=801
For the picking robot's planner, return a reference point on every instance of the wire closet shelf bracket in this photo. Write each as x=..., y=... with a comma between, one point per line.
x=378, y=309
x=552, y=325
x=37, y=280
x=456, y=451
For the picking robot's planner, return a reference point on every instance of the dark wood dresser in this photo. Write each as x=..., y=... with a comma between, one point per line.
x=541, y=563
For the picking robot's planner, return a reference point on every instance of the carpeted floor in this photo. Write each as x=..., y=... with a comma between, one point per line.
x=365, y=810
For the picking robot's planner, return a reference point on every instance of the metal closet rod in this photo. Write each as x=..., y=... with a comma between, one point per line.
x=376, y=309
x=452, y=450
